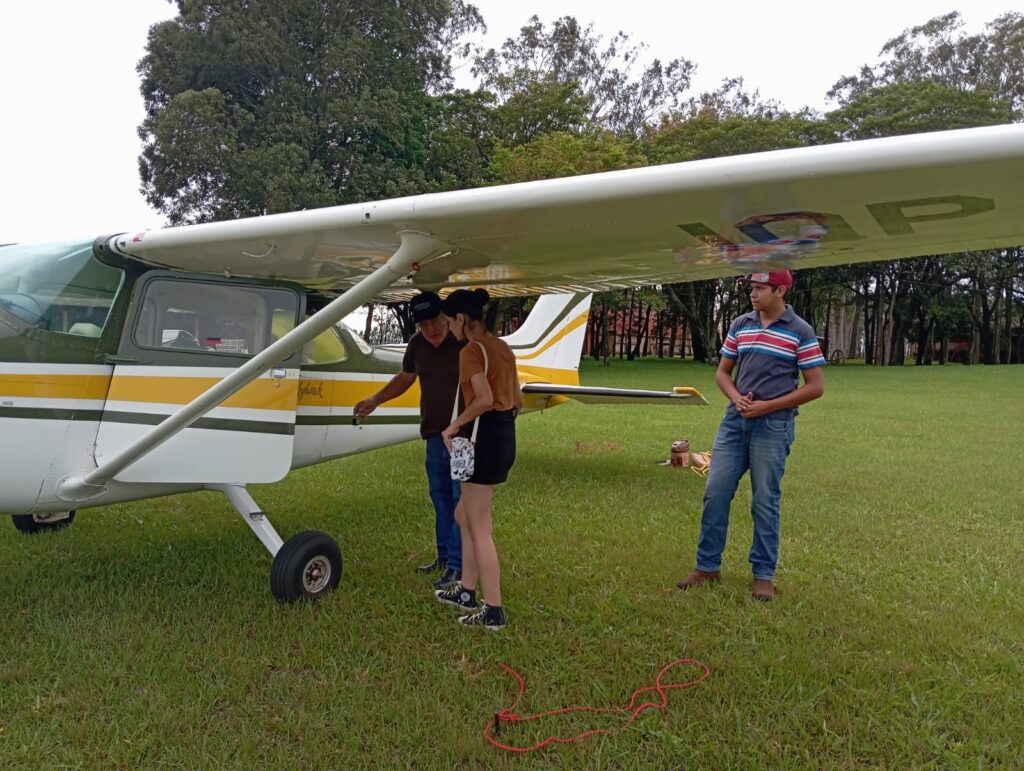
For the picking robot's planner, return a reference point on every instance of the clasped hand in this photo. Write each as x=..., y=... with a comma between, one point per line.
x=749, y=407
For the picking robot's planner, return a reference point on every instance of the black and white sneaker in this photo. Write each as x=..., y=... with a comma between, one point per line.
x=432, y=567
x=450, y=577
x=458, y=597
x=490, y=617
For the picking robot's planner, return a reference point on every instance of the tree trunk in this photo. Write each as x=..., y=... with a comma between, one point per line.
x=604, y=337
x=895, y=340
x=972, y=354
x=880, y=293
x=828, y=324
x=369, y=322
x=590, y=338
x=1008, y=329
x=869, y=327
x=626, y=343
x=923, y=330
x=853, y=348
x=643, y=331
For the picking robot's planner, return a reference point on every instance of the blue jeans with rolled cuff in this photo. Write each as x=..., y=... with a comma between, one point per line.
x=760, y=446
x=444, y=494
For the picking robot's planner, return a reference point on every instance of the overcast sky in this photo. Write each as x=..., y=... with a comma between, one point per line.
x=71, y=104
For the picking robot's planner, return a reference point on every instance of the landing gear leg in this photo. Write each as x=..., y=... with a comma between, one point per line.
x=305, y=567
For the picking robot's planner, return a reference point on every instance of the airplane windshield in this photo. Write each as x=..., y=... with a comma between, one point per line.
x=58, y=287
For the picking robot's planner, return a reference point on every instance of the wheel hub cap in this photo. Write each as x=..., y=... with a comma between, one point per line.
x=316, y=575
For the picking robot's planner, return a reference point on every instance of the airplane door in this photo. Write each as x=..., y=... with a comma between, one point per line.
x=183, y=336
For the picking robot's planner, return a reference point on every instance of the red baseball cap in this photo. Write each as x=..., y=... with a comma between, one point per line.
x=775, y=278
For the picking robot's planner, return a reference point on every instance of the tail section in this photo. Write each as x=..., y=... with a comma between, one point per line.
x=548, y=347
x=549, y=343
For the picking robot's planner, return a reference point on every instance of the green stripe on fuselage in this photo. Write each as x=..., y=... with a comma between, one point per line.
x=146, y=419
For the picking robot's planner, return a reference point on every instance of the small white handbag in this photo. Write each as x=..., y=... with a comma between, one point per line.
x=463, y=456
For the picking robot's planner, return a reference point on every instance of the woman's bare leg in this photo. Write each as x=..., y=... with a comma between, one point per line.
x=476, y=503
x=469, y=564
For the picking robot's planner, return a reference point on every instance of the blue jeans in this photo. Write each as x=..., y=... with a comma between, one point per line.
x=444, y=493
x=761, y=446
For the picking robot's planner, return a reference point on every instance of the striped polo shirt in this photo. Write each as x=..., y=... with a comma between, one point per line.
x=769, y=359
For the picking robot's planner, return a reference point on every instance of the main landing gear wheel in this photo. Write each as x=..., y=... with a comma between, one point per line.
x=39, y=523
x=306, y=567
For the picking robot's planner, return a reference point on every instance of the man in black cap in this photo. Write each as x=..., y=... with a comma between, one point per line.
x=432, y=355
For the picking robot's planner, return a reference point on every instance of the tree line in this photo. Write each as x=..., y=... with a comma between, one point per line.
x=261, y=106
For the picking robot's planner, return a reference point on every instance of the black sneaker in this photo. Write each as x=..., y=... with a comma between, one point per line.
x=489, y=617
x=458, y=597
x=448, y=578
x=432, y=567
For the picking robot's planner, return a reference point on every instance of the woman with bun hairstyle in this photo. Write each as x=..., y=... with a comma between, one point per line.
x=490, y=389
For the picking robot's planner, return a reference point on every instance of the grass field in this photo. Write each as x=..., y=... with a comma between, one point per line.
x=145, y=635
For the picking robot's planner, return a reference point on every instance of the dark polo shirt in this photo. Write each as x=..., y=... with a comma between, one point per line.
x=769, y=359
x=438, y=372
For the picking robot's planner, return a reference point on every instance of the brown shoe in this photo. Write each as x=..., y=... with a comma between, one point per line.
x=698, y=577
x=764, y=590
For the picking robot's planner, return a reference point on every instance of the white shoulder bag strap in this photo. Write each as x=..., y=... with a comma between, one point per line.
x=455, y=407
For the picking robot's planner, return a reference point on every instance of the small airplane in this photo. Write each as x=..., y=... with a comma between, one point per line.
x=212, y=356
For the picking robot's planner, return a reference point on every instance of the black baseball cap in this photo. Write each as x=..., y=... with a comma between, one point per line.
x=425, y=306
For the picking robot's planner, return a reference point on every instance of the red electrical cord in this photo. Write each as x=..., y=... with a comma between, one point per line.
x=632, y=709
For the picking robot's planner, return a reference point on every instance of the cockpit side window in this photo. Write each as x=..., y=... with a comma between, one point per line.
x=325, y=348
x=58, y=287
x=213, y=318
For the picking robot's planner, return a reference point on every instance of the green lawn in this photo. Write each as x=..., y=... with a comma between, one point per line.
x=146, y=635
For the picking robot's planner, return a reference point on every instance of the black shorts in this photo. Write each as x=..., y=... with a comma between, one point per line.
x=495, y=449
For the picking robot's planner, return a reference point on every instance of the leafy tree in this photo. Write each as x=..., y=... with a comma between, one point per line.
x=911, y=108
x=562, y=79
x=461, y=139
x=561, y=154
x=259, y=106
x=935, y=77
x=939, y=51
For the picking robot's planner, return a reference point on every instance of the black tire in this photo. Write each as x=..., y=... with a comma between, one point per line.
x=40, y=523
x=837, y=357
x=306, y=567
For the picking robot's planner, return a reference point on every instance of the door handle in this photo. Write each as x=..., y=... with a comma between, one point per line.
x=277, y=374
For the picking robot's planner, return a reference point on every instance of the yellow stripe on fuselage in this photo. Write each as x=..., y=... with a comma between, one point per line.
x=262, y=394
x=346, y=393
x=47, y=386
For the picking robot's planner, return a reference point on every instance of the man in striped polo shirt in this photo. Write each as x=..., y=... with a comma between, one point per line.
x=770, y=347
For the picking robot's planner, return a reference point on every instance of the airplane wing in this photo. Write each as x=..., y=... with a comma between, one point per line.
x=877, y=199
x=833, y=204
x=542, y=392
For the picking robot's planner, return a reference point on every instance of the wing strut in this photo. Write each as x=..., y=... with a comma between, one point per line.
x=414, y=247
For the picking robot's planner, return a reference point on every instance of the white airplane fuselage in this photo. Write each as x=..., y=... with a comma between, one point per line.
x=40, y=451
x=92, y=360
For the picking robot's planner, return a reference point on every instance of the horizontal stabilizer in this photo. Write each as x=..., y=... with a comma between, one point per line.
x=595, y=395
